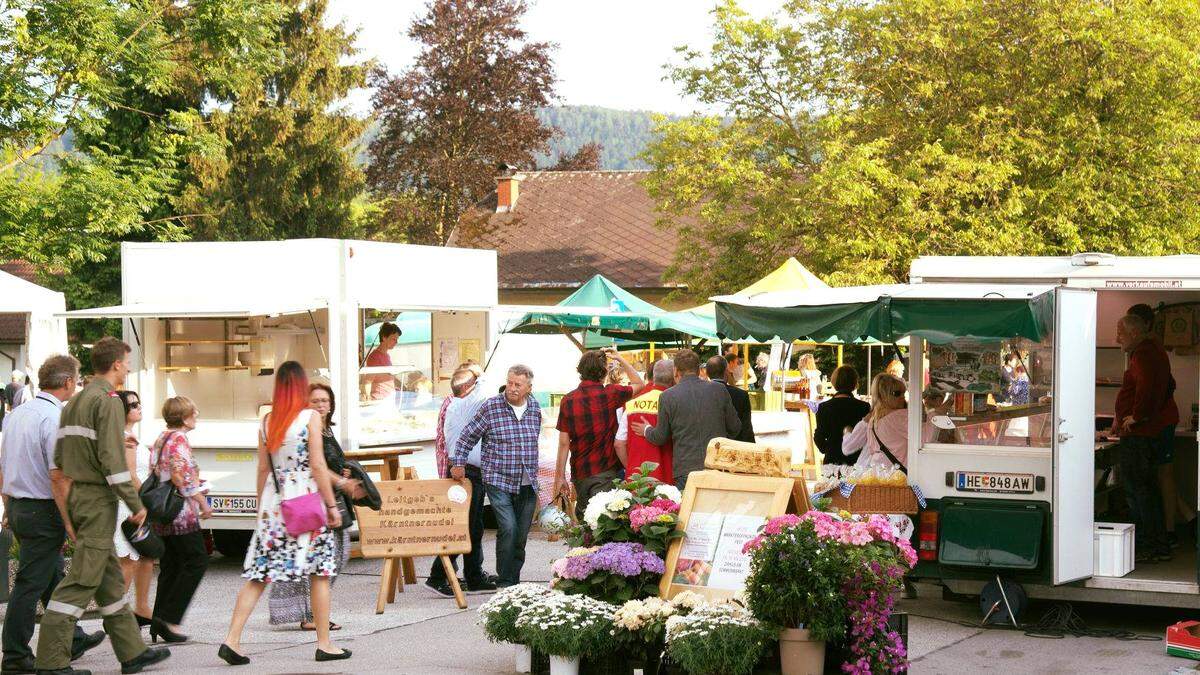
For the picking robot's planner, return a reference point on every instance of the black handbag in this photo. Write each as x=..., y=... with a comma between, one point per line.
x=162, y=500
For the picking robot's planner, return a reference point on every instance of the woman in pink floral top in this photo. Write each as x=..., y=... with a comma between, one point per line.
x=185, y=559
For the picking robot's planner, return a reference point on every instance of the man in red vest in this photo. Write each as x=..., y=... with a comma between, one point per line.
x=634, y=449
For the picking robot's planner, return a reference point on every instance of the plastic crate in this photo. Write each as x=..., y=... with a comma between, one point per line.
x=1112, y=549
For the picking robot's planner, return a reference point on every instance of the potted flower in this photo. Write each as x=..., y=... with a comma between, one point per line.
x=640, y=626
x=613, y=572
x=498, y=617
x=568, y=628
x=810, y=575
x=610, y=516
x=716, y=639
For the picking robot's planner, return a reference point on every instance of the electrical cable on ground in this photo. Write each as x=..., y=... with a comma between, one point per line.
x=1058, y=622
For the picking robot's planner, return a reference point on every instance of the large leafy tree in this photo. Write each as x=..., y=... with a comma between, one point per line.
x=861, y=134
x=467, y=104
x=128, y=79
x=284, y=166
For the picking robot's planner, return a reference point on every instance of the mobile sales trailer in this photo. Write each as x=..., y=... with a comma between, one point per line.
x=1022, y=489
x=212, y=321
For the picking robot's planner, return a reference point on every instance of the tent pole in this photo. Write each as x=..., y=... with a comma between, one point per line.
x=651, y=353
x=745, y=366
x=839, y=356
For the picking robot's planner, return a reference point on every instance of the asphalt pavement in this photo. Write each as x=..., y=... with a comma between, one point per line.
x=425, y=633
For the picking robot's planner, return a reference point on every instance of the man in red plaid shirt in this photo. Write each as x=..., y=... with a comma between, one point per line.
x=587, y=428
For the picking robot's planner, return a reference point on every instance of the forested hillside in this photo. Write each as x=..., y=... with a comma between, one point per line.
x=623, y=133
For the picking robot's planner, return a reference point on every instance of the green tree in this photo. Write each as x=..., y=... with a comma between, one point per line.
x=864, y=134
x=284, y=166
x=89, y=66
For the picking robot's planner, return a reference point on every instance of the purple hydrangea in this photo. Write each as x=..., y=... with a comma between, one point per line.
x=578, y=567
x=626, y=559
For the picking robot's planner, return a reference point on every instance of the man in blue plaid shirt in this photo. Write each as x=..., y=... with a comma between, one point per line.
x=508, y=426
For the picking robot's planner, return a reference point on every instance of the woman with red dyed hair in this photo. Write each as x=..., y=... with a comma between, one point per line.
x=289, y=446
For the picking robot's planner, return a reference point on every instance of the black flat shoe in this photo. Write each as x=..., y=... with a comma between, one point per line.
x=231, y=657
x=326, y=656
x=65, y=671
x=160, y=629
x=151, y=656
x=142, y=621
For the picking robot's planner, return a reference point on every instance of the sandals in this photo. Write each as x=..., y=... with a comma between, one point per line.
x=308, y=625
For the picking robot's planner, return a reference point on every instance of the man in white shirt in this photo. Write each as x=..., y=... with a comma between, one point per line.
x=35, y=506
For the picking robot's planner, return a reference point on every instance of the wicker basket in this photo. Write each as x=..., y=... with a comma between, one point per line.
x=876, y=499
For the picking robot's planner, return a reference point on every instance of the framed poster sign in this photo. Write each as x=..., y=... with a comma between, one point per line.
x=719, y=514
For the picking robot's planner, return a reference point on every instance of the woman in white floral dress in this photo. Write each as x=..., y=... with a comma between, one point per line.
x=290, y=442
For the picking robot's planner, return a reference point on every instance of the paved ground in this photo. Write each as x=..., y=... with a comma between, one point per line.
x=422, y=633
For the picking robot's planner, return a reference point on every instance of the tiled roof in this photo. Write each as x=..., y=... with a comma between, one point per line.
x=12, y=326
x=567, y=226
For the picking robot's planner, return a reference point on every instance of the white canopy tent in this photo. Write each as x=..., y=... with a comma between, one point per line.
x=45, y=331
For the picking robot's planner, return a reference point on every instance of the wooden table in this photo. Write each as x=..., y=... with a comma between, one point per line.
x=388, y=456
x=390, y=469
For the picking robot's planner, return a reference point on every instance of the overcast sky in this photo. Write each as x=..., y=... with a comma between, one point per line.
x=610, y=52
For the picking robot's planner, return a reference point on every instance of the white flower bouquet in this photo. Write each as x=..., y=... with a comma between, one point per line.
x=716, y=638
x=569, y=626
x=498, y=616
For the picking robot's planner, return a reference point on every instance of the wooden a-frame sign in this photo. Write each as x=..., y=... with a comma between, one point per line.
x=720, y=512
x=417, y=518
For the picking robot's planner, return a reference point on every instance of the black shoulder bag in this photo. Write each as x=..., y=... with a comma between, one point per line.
x=161, y=499
x=886, y=452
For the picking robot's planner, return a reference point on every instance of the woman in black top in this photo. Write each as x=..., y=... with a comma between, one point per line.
x=837, y=414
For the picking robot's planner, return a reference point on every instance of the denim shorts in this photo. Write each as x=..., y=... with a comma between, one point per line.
x=1166, y=446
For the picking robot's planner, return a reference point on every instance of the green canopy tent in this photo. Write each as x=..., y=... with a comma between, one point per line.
x=938, y=313
x=603, y=309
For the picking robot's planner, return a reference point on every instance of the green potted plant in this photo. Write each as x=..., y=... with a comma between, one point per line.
x=810, y=575
x=717, y=639
x=498, y=617
x=568, y=628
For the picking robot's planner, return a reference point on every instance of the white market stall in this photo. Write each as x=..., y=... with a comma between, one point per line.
x=1017, y=490
x=211, y=321
x=39, y=308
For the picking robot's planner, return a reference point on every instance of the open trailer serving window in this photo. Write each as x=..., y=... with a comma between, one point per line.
x=990, y=393
x=397, y=399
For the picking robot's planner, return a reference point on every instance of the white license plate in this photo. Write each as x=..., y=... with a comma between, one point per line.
x=230, y=505
x=1011, y=483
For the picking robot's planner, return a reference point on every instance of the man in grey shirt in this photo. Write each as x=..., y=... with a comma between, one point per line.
x=35, y=503
x=470, y=390
x=690, y=414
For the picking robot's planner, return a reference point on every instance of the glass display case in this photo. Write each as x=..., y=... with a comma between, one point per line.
x=991, y=394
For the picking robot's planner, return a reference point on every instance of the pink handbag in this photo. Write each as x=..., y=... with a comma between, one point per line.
x=302, y=514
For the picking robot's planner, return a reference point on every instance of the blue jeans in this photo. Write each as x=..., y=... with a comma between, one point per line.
x=514, y=517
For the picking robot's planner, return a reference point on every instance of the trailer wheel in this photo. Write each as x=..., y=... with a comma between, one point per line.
x=231, y=543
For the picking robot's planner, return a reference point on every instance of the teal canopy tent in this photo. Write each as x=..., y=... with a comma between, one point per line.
x=938, y=313
x=602, y=308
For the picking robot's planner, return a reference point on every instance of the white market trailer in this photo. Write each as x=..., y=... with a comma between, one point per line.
x=1016, y=490
x=211, y=321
